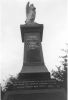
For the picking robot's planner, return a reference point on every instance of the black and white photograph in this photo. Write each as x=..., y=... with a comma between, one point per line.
x=33, y=50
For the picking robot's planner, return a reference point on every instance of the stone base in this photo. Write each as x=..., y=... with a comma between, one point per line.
x=43, y=94
x=35, y=76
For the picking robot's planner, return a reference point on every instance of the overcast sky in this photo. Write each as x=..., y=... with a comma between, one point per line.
x=51, y=13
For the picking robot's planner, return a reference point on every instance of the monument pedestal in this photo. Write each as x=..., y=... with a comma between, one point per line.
x=33, y=65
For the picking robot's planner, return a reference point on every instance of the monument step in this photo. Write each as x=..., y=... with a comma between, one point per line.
x=39, y=94
x=35, y=84
x=34, y=76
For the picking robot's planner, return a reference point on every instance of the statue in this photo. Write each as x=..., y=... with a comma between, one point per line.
x=30, y=13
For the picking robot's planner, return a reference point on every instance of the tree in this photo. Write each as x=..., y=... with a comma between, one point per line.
x=11, y=81
x=61, y=73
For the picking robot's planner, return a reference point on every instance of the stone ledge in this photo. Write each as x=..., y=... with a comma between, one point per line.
x=42, y=94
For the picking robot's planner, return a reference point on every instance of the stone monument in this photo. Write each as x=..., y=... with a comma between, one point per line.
x=34, y=82
x=31, y=34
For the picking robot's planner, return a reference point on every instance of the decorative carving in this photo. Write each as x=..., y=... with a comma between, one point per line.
x=30, y=13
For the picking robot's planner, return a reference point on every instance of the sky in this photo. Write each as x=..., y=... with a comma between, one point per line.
x=51, y=13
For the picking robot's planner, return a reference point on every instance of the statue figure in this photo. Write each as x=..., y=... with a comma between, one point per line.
x=30, y=13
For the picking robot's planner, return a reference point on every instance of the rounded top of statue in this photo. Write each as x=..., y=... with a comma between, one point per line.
x=30, y=13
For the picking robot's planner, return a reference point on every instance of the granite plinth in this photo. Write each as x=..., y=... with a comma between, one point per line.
x=36, y=76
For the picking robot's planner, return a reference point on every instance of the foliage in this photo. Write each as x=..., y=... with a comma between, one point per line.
x=61, y=73
x=9, y=82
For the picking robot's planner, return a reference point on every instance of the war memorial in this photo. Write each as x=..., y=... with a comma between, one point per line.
x=34, y=81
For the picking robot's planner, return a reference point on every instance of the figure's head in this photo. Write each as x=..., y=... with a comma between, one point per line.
x=32, y=7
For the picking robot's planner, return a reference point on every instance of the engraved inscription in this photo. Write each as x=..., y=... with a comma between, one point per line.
x=32, y=42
